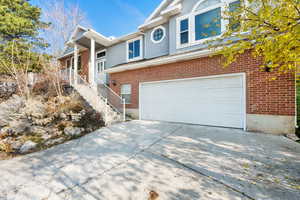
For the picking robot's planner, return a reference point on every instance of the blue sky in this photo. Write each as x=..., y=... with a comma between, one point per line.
x=116, y=17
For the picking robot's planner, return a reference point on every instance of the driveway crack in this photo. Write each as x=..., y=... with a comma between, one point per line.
x=88, y=179
x=203, y=174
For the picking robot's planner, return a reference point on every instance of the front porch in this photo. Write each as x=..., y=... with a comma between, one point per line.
x=92, y=85
x=91, y=55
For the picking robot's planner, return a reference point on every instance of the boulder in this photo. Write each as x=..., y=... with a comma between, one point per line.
x=73, y=131
x=42, y=122
x=5, y=131
x=18, y=127
x=16, y=145
x=63, y=116
x=38, y=130
x=76, y=117
x=7, y=89
x=9, y=108
x=28, y=146
x=46, y=137
x=55, y=141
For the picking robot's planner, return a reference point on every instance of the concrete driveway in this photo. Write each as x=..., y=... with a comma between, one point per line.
x=174, y=161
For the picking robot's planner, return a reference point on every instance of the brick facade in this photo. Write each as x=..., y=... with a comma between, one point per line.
x=264, y=96
x=85, y=56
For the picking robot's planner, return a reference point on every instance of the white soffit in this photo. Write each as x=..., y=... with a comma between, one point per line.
x=160, y=61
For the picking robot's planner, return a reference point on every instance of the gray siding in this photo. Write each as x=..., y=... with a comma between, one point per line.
x=116, y=55
x=153, y=50
x=187, y=6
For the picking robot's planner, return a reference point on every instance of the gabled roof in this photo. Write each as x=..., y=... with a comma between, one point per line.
x=161, y=14
x=76, y=31
x=163, y=5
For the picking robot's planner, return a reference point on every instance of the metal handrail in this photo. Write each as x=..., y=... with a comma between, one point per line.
x=106, y=97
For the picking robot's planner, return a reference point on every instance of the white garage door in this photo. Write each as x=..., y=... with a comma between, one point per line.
x=215, y=101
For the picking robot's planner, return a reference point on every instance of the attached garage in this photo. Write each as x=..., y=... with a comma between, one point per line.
x=213, y=100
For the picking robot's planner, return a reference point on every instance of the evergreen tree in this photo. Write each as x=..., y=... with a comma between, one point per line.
x=20, y=23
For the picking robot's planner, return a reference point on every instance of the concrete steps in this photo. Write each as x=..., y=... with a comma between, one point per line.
x=91, y=96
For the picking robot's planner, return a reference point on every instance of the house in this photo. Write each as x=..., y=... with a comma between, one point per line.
x=166, y=72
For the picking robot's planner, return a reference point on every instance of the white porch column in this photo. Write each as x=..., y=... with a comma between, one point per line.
x=75, y=63
x=92, y=65
x=70, y=75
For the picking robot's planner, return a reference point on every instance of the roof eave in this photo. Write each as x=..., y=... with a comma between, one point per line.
x=160, y=61
x=165, y=15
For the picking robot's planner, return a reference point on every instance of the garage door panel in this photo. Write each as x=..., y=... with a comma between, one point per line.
x=209, y=101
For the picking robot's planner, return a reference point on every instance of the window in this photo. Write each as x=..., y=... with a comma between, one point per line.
x=68, y=63
x=158, y=34
x=208, y=24
x=184, y=31
x=72, y=63
x=100, y=65
x=205, y=4
x=126, y=93
x=101, y=61
x=79, y=63
x=101, y=54
x=234, y=6
x=134, y=49
x=204, y=22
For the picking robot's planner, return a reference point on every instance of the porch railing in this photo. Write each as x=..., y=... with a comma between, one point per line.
x=111, y=98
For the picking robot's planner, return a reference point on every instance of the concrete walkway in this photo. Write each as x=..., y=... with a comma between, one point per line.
x=129, y=160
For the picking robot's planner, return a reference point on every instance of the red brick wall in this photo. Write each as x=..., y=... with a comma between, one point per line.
x=85, y=55
x=264, y=96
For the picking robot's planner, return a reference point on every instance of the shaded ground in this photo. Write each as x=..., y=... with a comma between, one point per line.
x=129, y=160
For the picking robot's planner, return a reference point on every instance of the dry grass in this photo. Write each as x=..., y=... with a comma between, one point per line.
x=6, y=147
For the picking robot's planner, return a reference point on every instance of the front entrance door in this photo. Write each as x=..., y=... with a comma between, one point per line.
x=100, y=66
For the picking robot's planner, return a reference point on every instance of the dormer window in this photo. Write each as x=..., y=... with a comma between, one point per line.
x=134, y=49
x=205, y=22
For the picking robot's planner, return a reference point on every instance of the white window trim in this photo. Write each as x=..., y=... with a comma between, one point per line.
x=103, y=67
x=101, y=51
x=178, y=32
x=141, y=49
x=223, y=5
x=163, y=37
x=121, y=92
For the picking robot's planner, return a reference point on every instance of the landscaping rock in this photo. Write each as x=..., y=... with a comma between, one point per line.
x=76, y=117
x=28, y=146
x=18, y=127
x=7, y=89
x=73, y=131
x=55, y=141
x=46, y=137
x=63, y=116
x=35, y=108
x=9, y=108
x=16, y=145
x=6, y=130
x=42, y=122
x=38, y=130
